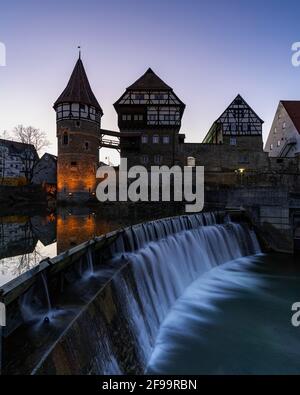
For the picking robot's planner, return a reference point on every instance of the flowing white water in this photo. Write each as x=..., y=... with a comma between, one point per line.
x=162, y=270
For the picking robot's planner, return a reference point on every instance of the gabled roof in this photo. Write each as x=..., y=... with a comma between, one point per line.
x=239, y=97
x=293, y=109
x=149, y=80
x=15, y=147
x=78, y=89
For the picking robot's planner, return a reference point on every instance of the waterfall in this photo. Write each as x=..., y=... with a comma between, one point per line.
x=180, y=251
x=47, y=296
x=90, y=261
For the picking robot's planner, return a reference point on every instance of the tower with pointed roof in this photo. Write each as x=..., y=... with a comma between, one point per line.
x=149, y=119
x=78, y=119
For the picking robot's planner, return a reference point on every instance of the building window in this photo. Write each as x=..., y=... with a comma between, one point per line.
x=138, y=117
x=166, y=139
x=157, y=159
x=126, y=117
x=86, y=145
x=275, y=130
x=65, y=139
x=155, y=139
x=271, y=147
x=159, y=96
x=144, y=139
x=73, y=163
x=144, y=159
x=139, y=96
x=283, y=125
x=279, y=116
x=278, y=143
x=232, y=140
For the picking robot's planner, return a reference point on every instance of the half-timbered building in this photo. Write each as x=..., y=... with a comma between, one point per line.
x=149, y=119
x=238, y=125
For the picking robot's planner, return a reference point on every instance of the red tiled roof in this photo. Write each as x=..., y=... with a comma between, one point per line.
x=293, y=109
x=78, y=89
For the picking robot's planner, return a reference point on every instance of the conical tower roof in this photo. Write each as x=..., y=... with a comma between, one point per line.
x=78, y=89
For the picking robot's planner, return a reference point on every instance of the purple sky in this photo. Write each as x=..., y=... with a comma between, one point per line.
x=208, y=51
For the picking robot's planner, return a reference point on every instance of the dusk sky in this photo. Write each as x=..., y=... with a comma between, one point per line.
x=208, y=51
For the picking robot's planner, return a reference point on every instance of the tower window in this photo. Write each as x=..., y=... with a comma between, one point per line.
x=157, y=159
x=65, y=139
x=144, y=159
x=144, y=139
x=155, y=139
x=139, y=96
x=86, y=145
x=159, y=96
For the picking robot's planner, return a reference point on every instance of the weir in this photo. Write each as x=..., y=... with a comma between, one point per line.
x=97, y=308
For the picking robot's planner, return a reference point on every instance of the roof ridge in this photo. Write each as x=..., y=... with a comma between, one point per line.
x=149, y=80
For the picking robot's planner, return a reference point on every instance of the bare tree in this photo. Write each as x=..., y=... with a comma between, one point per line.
x=31, y=135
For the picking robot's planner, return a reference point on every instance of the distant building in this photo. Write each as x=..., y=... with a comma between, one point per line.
x=284, y=137
x=45, y=172
x=78, y=119
x=149, y=119
x=17, y=162
x=238, y=125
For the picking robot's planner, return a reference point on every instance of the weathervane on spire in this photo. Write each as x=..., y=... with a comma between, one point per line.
x=79, y=48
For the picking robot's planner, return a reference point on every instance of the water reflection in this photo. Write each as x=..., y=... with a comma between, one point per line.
x=24, y=242
x=28, y=238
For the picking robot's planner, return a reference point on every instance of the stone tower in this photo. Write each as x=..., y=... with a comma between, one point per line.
x=78, y=119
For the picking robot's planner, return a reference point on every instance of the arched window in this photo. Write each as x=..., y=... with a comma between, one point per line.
x=65, y=139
